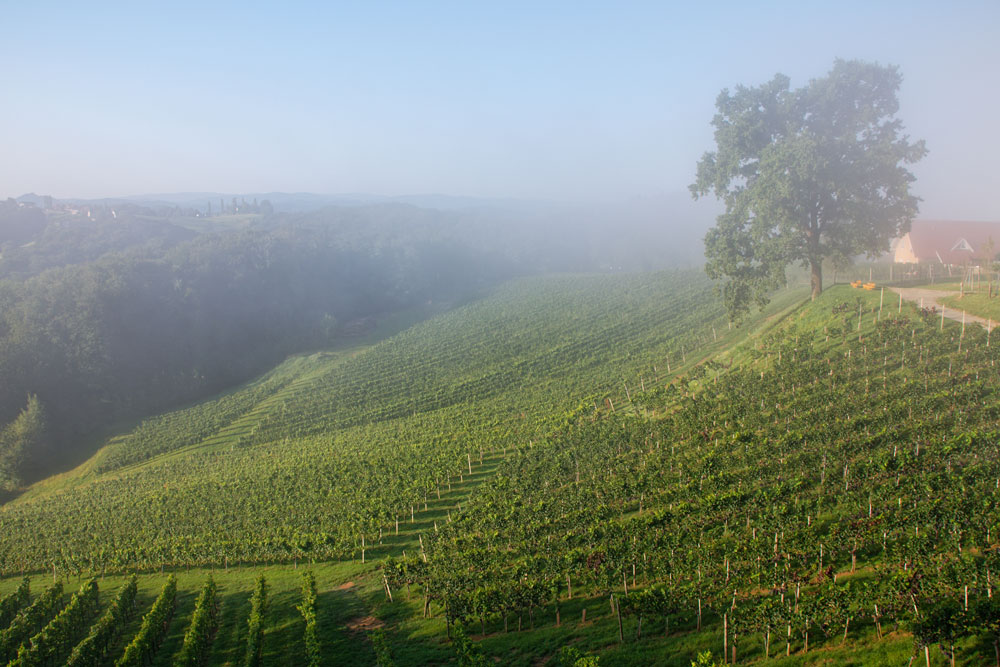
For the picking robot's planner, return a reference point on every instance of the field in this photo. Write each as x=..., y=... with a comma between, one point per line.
x=590, y=461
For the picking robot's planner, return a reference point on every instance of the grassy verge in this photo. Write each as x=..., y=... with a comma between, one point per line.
x=975, y=304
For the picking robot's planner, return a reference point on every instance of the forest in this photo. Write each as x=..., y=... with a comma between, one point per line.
x=103, y=321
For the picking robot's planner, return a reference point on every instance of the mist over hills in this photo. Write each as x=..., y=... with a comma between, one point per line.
x=114, y=308
x=305, y=201
x=638, y=233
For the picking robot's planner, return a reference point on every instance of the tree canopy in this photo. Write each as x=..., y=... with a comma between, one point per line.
x=807, y=174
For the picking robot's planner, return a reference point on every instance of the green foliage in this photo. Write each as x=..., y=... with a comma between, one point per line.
x=705, y=659
x=944, y=624
x=30, y=620
x=58, y=637
x=11, y=604
x=466, y=650
x=383, y=652
x=314, y=653
x=255, y=624
x=154, y=627
x=985, y=619
x=21, y=441
x=204, y=621
x=92, y=651
x=570, y=656
x=807, y=174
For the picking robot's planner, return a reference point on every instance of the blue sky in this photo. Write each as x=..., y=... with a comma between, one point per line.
x=572, y=101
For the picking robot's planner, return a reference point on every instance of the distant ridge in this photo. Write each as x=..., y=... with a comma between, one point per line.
x=296, y=202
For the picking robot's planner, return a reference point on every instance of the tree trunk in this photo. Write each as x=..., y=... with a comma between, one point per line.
x=816, y=276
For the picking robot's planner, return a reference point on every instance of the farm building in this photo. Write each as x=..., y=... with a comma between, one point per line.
x=948, y=242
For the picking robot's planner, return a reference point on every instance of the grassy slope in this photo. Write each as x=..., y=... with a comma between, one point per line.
x=343, y=607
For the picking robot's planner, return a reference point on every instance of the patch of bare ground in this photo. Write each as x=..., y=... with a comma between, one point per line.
x=364, y=624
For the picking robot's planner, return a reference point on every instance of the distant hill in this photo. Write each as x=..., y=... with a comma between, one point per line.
x=307, y=201
x=640, y=233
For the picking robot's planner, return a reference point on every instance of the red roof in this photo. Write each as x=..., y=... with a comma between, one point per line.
x=953, y=241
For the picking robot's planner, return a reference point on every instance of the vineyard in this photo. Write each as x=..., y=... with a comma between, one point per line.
x=202, y=618
x=336, y=456
x=572, y=467
x=834, y=480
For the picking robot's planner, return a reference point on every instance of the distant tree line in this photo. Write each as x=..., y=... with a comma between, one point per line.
x=60, y=243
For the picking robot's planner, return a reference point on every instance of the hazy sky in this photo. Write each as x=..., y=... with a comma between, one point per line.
x=566, y=101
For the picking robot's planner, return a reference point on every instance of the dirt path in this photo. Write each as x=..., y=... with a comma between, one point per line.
x=930, y=298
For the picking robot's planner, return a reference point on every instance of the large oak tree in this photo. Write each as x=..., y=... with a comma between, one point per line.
x=807, y=174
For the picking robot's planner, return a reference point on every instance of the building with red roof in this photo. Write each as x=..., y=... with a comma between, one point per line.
x=949, y=242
